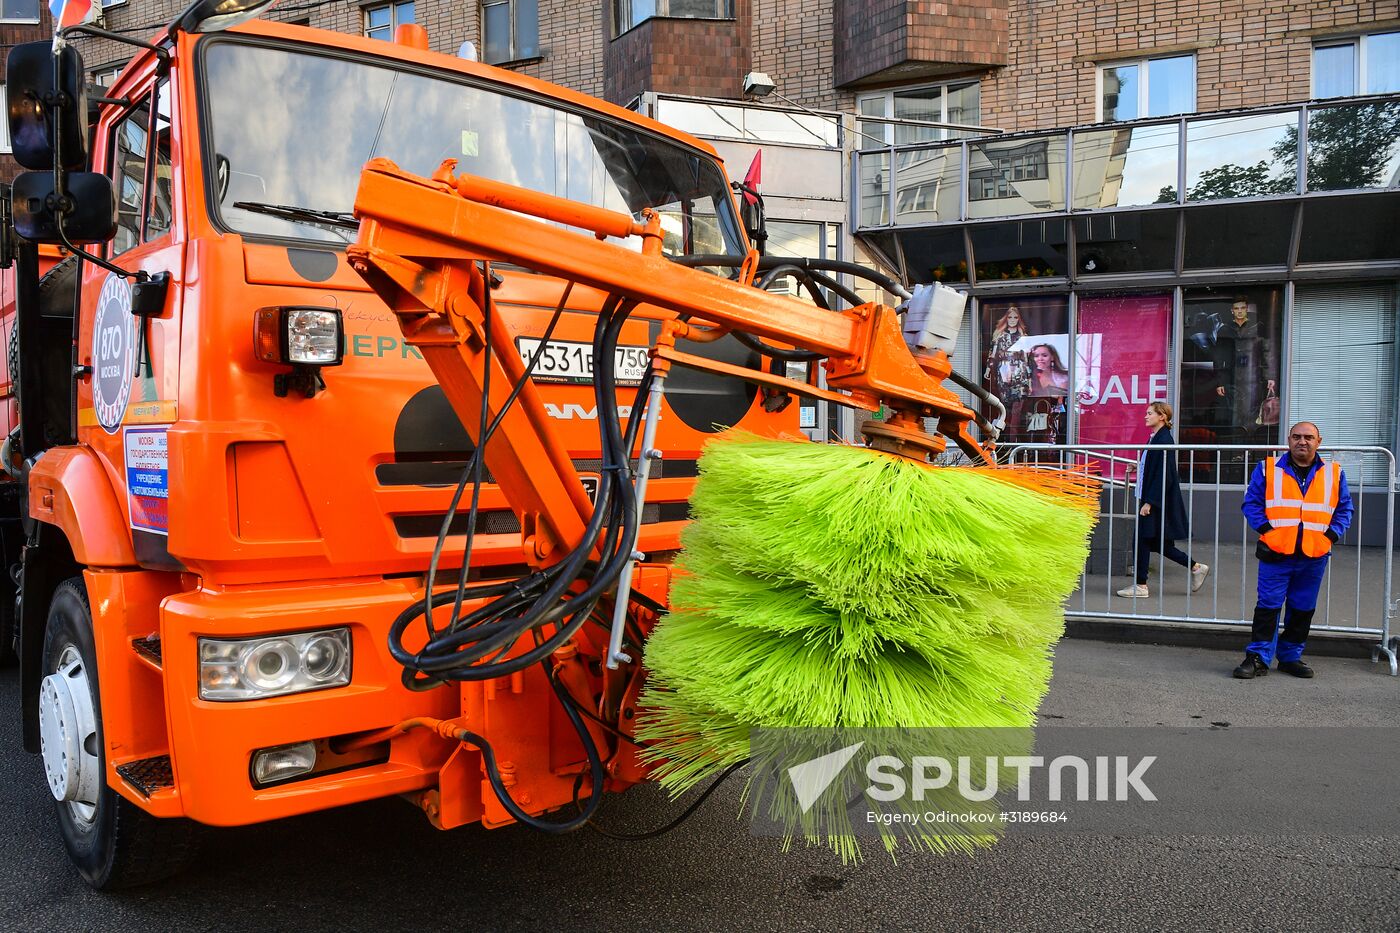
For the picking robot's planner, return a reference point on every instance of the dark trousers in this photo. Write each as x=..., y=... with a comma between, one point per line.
x=1293, y=581
x=1148, y=544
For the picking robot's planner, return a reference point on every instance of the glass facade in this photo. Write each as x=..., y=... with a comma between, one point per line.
x=1243, y=267
x=712, y=120
x=1242, y=157
x=1125, y=166
x=929, y=188
x=1344, y=146
x=1016, y=176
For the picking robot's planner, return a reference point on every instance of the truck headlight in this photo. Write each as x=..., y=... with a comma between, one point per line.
x=273, y=665
x=305, y=339
x=300, y=336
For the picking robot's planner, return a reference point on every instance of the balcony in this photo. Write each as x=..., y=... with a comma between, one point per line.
x=1311, y=185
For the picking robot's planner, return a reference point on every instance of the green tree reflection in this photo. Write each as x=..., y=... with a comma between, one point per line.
x=1352, y=146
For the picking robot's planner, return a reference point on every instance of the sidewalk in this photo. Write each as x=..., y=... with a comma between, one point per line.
x=1350, y=610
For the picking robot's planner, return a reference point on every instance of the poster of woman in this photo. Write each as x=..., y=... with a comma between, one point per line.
x=1007, y=374
x=1025, y=346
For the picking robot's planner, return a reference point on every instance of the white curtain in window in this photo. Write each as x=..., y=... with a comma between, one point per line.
x=1342, y=370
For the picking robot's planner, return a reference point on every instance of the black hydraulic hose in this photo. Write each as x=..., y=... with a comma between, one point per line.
x=595, y=768
x=827, y=282
x=805, y=278
x=986, y=398
x=441, y=658
x=448, y=657
x=819, y=265
x=685, y=815
x=811, y=278
x=778, y=353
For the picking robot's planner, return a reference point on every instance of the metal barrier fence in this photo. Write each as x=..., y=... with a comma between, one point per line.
x=1356, y=597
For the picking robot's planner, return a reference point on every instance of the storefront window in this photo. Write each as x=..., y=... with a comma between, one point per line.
x=1025, y=356
x=1120, y=365
x=1020, y=249
x=1230, y=379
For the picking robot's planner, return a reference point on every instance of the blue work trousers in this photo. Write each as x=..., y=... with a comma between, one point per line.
x=1293, y=582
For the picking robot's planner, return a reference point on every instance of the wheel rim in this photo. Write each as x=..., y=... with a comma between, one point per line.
x=68, y=739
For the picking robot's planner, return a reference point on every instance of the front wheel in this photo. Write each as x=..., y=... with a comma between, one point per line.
x=111, y=841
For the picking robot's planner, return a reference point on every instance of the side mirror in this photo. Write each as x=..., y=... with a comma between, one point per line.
x=43, y=115
x=217, y=15
x=91, y=202
x=752, y=215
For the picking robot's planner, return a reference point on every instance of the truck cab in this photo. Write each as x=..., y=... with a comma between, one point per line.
x=242, y=469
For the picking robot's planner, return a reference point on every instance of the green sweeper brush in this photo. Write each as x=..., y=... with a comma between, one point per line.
x=828, y=587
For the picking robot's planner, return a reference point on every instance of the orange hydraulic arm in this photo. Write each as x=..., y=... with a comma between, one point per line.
x=419, y=245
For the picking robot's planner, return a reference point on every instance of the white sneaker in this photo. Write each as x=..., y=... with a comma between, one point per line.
x=1199, y=572
x=1134, y=592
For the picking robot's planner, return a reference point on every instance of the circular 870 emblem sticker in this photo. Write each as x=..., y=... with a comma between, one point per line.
x=114, y=353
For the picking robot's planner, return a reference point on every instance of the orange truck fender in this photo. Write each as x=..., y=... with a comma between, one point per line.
x=69, y=488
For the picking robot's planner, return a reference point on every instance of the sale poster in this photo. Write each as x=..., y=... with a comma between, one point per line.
x=1120, y=365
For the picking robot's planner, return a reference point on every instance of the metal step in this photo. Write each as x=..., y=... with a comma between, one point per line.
x=148, y=775
x=148, y=649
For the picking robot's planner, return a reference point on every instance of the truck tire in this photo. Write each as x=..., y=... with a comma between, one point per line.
x=112, y=842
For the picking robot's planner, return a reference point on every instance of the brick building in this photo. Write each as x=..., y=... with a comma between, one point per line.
x=1121, y=174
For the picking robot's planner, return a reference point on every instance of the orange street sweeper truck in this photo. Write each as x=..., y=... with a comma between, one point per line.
x=264, y=301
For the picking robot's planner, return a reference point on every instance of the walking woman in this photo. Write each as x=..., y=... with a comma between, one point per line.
x=1161, y=512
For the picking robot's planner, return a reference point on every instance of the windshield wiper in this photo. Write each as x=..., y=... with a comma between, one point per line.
x=292, y=212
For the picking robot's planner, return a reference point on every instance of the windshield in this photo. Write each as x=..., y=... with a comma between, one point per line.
x=291, y=131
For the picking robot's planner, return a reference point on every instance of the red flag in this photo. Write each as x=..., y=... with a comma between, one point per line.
x=71, y=12
x=754, y=177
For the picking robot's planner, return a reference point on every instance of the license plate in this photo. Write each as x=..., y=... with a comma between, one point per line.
x=566, y=361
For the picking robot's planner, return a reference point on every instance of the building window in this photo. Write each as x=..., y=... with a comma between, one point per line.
x=19, y=11
x=1150, y=87
x=510, y=30
x=106, y=77
x=1359, y=65
x=108, y=4
x=1343, y=337
x=629, y=13
x=940, y=103
x=381, y=21
x=4, y=124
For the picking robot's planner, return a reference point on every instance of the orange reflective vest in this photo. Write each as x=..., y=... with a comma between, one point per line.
x=1286, y=507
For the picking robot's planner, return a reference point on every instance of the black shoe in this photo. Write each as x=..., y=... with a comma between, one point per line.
x=1296, y=668
x=1254, y=666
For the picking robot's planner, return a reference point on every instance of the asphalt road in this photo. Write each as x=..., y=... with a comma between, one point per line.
x=381, y=867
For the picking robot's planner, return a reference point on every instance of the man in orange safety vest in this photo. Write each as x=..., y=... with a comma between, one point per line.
x=1300, y=506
